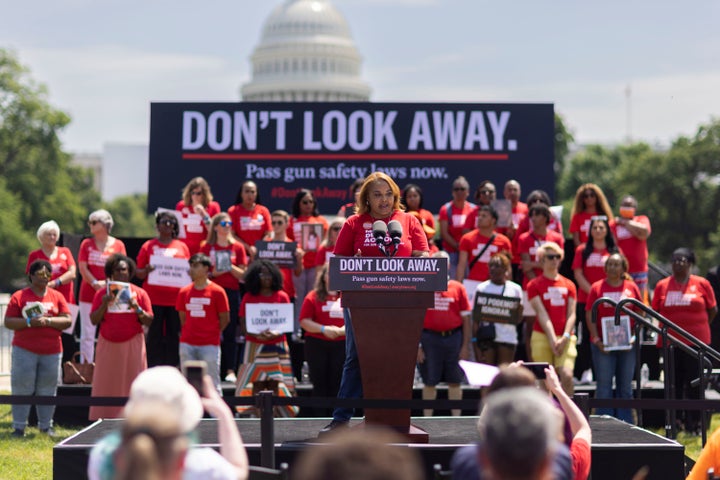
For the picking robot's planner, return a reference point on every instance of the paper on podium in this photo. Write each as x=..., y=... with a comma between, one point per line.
x=479, y=374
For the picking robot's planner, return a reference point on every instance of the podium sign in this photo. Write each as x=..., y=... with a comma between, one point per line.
x=414, y=274
x=388, y=299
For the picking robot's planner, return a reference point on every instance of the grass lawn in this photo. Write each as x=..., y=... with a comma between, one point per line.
x=29, y=457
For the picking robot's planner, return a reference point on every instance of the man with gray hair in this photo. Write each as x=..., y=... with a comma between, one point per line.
x=519, y=429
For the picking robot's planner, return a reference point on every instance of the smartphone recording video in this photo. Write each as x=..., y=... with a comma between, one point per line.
x=538, y=368
x=194, y=371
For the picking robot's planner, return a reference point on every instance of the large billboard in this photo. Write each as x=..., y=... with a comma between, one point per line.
x=283, y=147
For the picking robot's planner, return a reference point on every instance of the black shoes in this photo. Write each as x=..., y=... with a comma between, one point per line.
x=18, y=433
x=334, y=425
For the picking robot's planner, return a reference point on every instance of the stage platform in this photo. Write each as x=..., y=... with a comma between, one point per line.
x=618, y=449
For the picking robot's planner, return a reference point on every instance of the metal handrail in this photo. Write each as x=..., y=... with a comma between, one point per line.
x=697, y=349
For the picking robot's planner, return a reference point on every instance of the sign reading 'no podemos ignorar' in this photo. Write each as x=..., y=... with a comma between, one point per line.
x=324, y=147
x=388, y=274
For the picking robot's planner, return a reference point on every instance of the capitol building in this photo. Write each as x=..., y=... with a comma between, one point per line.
x=305, y=53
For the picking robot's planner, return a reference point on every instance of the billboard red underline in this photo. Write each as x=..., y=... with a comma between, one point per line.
x=344, y=156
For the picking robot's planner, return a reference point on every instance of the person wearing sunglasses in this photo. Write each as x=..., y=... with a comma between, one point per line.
x=305, y=212
x=229, y=261
x=121, y=352
x=36, y=314
x=688, y=301
x=163, y=336
x=251, y=219
x=453, y=217
x=94, y=253
x=589, y=202
x=549, y=336
x=198, y=208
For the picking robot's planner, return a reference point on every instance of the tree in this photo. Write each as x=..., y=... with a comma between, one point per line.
x=131, y=219
x=36, y=172
x=563, y=139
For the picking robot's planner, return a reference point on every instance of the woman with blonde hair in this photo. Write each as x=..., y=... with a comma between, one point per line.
x=197, y=208
x=589, y=202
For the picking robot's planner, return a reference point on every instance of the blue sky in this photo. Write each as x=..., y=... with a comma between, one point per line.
x=103, y=61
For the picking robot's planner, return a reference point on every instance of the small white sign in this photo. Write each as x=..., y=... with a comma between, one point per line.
x=277, y=317
x=169, y=271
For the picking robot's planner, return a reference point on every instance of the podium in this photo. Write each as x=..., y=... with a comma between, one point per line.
x=388, y=299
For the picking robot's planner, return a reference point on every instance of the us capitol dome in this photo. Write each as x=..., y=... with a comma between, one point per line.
x=306, y=54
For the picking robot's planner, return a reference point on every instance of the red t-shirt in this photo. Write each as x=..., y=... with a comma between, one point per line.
x=593, y=268
x=238, y=257
x=250, y=225
x=473, y=242
x=202, y=313
x=554, y=295
x=328, y=312
x=96, y=263
x=276, y=297
x=685, y=305
x=580, y=453
x=580, y=222
x=529, y=242
x=634, y=249
x=457, y=220
x=323, y=255
x=161, y=295
x=195, y=230
x=356, y=234
x=295, y=233
x=602, y=288
x=448, y=307
x=122, y=326
x=60, y=264
x=38, y=340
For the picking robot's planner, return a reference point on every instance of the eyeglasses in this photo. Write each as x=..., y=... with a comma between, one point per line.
x=459, y=189
x=485, y=192
x=225, y=223
x=307, y=202
x=42, y=273
x=167, y=223
x=278, y=222
x=681, y=260
x=265, y=275
x=93, y=222
x=197, y=192
x=552, y=256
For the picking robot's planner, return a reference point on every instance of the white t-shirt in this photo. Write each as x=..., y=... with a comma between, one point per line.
x=504, y=333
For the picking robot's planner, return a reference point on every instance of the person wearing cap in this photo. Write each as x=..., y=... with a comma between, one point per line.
x=94, y=253
x=165, y=387
x=204, y=313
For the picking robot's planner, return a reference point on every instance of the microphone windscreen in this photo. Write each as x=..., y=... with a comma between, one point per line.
x=395, y=229
x=379, y=229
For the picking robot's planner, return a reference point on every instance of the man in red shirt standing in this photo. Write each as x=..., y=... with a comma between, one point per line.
x=474, y=243
x=204, y=313
x=445, y=340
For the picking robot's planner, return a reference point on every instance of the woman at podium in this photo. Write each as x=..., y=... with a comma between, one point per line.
x=378, y=200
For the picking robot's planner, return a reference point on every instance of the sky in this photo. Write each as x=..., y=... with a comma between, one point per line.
x=104, y=61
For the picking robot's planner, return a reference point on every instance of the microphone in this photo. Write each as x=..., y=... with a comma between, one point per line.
x=379, y=230
x=395, y=230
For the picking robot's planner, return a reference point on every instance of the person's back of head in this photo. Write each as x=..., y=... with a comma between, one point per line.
x=519, y=428
x=153, y=444
x=355, y=454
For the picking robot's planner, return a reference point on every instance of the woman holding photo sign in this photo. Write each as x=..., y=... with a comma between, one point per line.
x=378, y=205
x=612, y=360
x=121, y=310
x=163, y=336
x=36, y=315
x=229, y=261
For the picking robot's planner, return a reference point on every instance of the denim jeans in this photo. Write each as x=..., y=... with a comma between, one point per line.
x=209, y=353
x=34, y=374
x=351, y=383
x=621, y=365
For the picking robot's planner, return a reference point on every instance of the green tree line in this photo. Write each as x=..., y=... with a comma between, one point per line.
x=677, y=188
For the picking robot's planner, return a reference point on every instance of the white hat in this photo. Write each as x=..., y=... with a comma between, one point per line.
x=167, y=385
